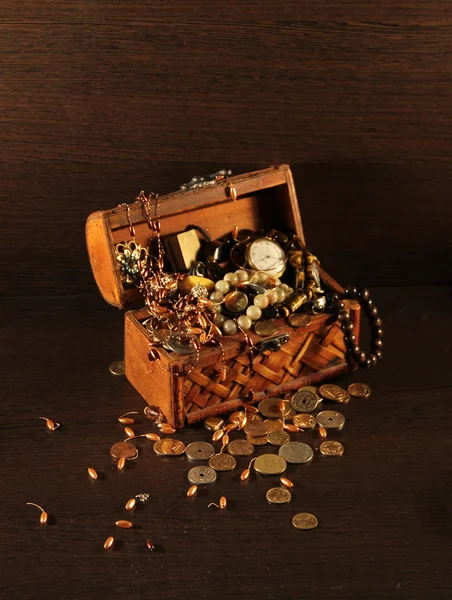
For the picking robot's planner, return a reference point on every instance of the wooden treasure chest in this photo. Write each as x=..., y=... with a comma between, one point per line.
x=219, y=377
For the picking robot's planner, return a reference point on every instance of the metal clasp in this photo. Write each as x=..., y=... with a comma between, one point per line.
x=202, y=181
x=273, y=344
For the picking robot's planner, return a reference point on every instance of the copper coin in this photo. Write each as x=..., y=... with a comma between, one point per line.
x=331, y=448
x=304, y=401
x=222, y=462
x=278, y=495
x=169, y=447
x=257, y=440
x=330, y=419
x=240, y=448
x=199, y=451
x=334, y=392
x=256, y=428
x=359, y=390
x=304, y=421
x=123, y=450
x=270, y=464
x=265, y=328
x=278, y=438
x=274, y=424
x=299, y=320
x=305, y=521
x=271, y=408
x=117, y=368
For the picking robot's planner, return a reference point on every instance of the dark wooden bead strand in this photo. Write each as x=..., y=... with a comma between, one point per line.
x=365, y=361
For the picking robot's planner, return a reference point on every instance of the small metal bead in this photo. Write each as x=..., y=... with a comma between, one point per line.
x=347, y=327
x=343, y=316
x=373, y=312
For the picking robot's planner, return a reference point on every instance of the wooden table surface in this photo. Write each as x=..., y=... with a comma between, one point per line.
x=384, y=508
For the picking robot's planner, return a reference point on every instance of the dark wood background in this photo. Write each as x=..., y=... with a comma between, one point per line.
x=100, y=99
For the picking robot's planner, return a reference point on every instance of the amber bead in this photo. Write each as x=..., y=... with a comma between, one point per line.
x=377, y=344
x=378, y=354
x=374, y=359
x=351, y=292
x=378, y=333
x=377, y=322
x=361, y=358
x=356, y=350
x=343, y=316
x=373, y=312
x=340, y=305
x=367, y=364
x=365, y=294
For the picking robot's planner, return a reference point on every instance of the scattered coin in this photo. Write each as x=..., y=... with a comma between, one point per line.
x=278, y=495
x=240, y=448
x=253, y=417
x=359, y=390
x=296, y=452
x=274, y=425
x=201, y=475
x=117, y=368
x=271, y=408
x=265, y=328
x=299, y=320
x=199, y=451
x=169, y=447
x=334, y=392
x=270, y=464
x=213, y=423
x=331, y=448
x=305, y=521
x=330, y=419
x=123, y=450
x=278, y=438
x=255, y=428
x=304, y=400
x=304, y=421
x=222, y=462
x=160, y=335
x=257, y=440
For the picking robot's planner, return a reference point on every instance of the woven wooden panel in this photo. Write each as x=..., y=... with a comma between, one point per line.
x=301, y=356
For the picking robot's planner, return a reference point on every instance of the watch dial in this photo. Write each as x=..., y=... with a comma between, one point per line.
x=266, y=255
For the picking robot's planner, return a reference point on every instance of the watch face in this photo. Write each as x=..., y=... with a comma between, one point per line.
x=266, y=255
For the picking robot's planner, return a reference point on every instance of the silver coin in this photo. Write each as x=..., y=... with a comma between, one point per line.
x=296, y=452
x=330, y=419
x=199, y=451
x=201, y=475
x=304, y=401
x=182, y=343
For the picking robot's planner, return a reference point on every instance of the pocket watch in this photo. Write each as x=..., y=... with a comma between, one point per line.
x=264, y=254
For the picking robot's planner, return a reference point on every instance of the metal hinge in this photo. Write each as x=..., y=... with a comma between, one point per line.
x=273, y=344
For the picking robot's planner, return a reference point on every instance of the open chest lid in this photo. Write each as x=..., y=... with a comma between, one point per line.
x=265, y=200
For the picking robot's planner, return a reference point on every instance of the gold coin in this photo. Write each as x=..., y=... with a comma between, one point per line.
x=304, y=421
x=117, y=368
x=270, y=464
x=278, y=495
x=274, y=425
x=271, y=408
x=278, y=438
x=222, y=462
x=255, y=428
x=359, y=390
x=169, y=447
x=253, y=417
x=331, y=448
x=305, y=521
x=265, y=328
x=335, y=393
x=257, y=440
x=299, y=320
x=213, y=423
x=240, y=448
x=123, y=450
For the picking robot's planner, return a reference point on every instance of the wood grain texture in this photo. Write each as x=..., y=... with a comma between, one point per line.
x=102, y=99
x=384, y=508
